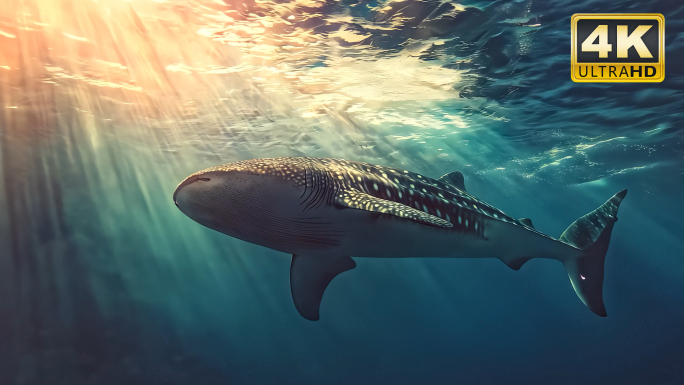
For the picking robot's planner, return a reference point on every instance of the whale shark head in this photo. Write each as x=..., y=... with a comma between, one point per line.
x=235, y=192
x=259, y=201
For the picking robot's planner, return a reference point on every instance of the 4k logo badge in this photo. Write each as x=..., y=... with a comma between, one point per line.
x=613, y=47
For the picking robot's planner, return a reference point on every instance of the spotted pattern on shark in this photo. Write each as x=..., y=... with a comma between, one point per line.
x=466, y=212
x=323, y=179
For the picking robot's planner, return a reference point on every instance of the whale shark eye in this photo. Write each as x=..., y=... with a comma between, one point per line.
x=204, y=179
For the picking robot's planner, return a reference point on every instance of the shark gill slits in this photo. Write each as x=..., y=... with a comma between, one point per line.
x=398, y=186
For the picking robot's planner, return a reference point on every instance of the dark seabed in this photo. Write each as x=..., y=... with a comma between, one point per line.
x=106, y=105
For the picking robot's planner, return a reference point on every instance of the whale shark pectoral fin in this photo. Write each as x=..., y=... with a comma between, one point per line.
x=455, y=179
x=310, y=276
x=363, y=201
x=527, y=222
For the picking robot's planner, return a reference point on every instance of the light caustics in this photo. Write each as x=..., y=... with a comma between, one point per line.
x=224, y=66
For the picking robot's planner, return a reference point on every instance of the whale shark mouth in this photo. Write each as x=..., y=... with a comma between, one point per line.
x=248, y=219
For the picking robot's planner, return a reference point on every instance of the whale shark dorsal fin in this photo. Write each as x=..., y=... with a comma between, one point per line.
x=455, y=179
x=310, y=276
x=362, y=201
x=527, y=222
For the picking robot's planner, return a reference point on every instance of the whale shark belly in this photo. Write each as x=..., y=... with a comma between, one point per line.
x=365, y=234
x=374, y=235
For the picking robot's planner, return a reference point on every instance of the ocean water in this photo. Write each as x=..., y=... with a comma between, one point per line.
x=105, y=106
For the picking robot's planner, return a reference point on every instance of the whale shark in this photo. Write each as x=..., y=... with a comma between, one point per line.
x=325, y=211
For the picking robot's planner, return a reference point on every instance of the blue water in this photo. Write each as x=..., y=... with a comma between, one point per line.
x=106, y=106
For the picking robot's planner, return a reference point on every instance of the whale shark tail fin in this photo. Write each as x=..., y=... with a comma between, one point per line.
x=591, y=233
